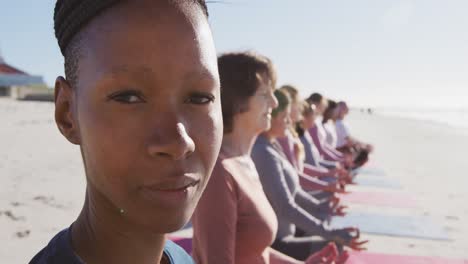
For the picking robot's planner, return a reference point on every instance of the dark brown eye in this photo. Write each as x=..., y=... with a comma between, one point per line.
x=127, y=97
x=200, y=98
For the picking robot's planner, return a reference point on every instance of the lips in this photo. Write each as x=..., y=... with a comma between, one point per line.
x=174, y=188
x=173, y=192
x=179, y=184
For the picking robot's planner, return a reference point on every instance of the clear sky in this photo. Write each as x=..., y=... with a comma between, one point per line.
x=369, y=52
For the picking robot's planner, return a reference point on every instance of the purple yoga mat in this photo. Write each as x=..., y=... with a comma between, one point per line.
x=183, y=242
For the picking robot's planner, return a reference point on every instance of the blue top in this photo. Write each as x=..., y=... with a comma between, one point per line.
x=280, y=181
x=59, y=251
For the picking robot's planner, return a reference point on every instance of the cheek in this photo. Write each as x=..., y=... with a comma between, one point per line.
x=284, y=123
x=207, y=132
x=110, y=147
x=277, y=124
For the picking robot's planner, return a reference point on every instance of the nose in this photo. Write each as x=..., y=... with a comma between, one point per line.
x=172, y=141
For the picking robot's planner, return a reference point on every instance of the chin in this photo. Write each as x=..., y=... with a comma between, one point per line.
x=170, y=222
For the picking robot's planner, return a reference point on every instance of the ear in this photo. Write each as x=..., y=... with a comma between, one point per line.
x=65, y=117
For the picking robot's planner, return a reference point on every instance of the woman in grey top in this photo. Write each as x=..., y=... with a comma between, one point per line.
x=292, y=205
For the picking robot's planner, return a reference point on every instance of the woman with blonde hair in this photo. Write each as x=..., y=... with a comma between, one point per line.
x=295, y=151
x=293, y=206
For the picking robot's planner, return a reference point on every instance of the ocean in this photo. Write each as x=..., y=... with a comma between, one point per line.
x=451, y=117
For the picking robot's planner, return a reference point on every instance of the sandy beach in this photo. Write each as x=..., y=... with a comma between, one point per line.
x=42, y=180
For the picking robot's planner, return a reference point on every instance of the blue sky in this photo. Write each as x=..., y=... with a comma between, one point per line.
x=369, y=52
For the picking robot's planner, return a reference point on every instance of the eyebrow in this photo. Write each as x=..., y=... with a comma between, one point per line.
x=204, y=73
x=125, y=69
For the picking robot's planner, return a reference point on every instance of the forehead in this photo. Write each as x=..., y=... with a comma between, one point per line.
x=155, y=39
x=264, y=82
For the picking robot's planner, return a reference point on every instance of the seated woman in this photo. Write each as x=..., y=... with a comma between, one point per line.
x=312, y=155
x=290, y=143
x=328, y=122
x=292, y=147
x=141, y=98
x=318, y=133
x=346, y=143
x=234, y=223
x=292, y=205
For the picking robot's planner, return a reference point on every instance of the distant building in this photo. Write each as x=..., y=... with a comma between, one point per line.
x=17, y=84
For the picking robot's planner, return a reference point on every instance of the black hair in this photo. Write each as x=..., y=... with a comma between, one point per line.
x=332, y=105
x=70, y=16
x=315, y=98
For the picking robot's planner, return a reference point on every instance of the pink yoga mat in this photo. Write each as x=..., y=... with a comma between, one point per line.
x=380, y=199
x=183, y=242
x=376, y=258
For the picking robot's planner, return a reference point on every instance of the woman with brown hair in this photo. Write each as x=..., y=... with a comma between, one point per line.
x=234, y=223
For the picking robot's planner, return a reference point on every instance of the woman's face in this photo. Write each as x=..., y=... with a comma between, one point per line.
x=296, y=112
x=258, y=115
x=309, y=120
x=320, y=108
x=146, y=112
x=281, y=122
x=334, y=114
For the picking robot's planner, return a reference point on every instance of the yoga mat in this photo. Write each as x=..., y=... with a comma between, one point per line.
x=379, y=199
x=377, y=258
x=380, y=182
x=370, y=171
x=392, y=225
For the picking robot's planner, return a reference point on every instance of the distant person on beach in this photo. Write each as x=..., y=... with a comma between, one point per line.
x=292, y=205
x=141, y=98
x=234, y=223
x=348, y=144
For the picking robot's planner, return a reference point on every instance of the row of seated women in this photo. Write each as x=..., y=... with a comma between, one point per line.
x=273, y=190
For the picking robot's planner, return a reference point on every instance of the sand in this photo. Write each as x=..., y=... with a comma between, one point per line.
x=42, y=181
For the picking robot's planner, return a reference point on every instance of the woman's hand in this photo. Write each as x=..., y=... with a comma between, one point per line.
x=334, y=188
x=349, y=237
x=339, y=210
x=342, y=258
x=335, y=208
x=327, y=255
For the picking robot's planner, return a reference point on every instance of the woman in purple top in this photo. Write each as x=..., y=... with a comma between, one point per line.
x=141, y=98
x=293, y=206
x=318, y=133
x=294, y=150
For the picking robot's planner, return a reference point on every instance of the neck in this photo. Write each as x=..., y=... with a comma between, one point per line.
x=239, y=142
x=101, y=234
x=269, y=135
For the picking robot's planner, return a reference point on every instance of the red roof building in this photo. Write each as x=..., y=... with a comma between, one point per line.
x=7, y=69
x=11, y=78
